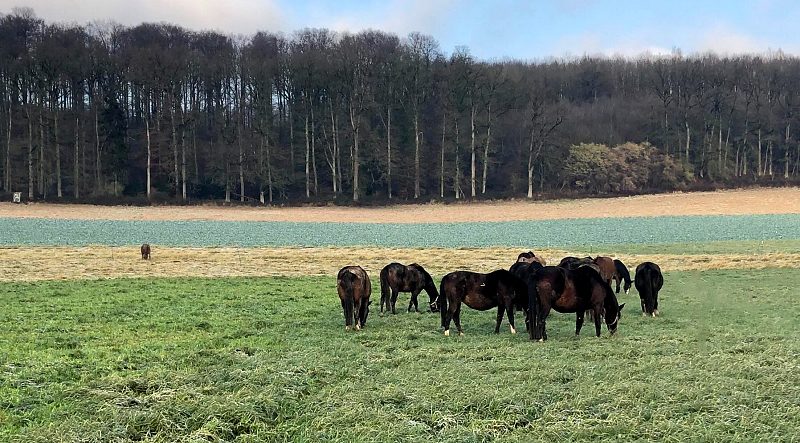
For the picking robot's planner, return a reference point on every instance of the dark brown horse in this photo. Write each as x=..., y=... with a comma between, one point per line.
x=145, y=252
x=482, y=292
x=354, y=288
x=566, y=291
x=649, y=280
x=574, y=262
x=396, y=278
x=530, y=257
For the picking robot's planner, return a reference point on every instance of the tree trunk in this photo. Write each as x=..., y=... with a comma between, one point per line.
x=416, y=153
x=759, y=151
x=75, y=165
x=335, y=159
x=40, y=184
x=269, y=168
x=241, y=157
x=389, y=151
x=97, y=166
x=354, y=124
x=308, y=160
x=688, y=138
x=314, y=152
x=30, y=152
x=486, y=150
x=530, y=168
x=441, y=169
x=457, y=173
x=59, y=192
x=7, y=169
x=786, y=156
x=473, y=165
x=174, y=136
x=149, y=149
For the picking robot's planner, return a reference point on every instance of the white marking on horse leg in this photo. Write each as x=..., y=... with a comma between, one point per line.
x=644, y=314
x=358, y=328
x=513, y=331
x=541, y=340
x=655, y=313
x=447, y=333
x=460, y=333
x=347, y=328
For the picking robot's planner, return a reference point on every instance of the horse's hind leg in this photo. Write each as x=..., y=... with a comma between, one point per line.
x=394, y=299
x=356, y=314
x=579, y=322
x=617, y=279
x=500, y=312
x=510, y=311
x=448, y=315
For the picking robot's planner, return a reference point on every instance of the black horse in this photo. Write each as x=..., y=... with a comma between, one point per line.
x=530, y=257
x=565, y=290
x=354, y=288
x=482, y=292
x=396, y=278
x=622, y=274
x=648, y=281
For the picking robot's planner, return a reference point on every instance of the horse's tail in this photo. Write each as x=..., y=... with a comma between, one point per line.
x=644, y=285
x=385, y=289
x=349, y=280
x=442, y=301
x=534, y=306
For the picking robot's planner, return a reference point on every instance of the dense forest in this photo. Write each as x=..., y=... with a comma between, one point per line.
x=158, y=112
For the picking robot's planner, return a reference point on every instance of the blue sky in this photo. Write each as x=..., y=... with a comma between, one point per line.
x=491, y=29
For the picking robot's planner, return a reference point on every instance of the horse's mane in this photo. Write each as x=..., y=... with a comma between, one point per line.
x=421, y=270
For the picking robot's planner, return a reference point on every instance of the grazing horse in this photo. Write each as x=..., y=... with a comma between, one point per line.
x=145, y=252
x=622, y=274
x=354, y=288
x=413, y=278
x=482, y=292
x=565, y=291
x=607, y=268
x=648, y=281
x=530, y=257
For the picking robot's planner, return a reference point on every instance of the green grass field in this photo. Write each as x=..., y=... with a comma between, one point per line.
x=268, y=360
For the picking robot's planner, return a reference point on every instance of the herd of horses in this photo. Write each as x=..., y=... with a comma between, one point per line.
x=577, y=285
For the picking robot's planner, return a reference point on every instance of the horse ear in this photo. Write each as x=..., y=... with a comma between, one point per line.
x=621, y=306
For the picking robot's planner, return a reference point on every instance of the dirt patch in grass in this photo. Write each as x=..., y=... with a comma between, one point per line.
x=98, y=262
x=731, y=202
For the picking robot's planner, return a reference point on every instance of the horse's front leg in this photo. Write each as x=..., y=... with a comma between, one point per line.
x=598, y=314
x=617, y=279
x=413, y=301
x=356, y=314
x=500, y=312
x=457, y=319
x=579, y=322
x=510, y=310
x=448, y=316
x=384, y=300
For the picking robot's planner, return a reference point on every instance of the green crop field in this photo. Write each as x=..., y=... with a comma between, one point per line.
x=538, y=234
x=268, y=360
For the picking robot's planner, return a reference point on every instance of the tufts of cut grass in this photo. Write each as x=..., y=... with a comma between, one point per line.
x=267, y=359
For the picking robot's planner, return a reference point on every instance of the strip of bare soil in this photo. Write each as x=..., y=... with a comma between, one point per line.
x=731, y=202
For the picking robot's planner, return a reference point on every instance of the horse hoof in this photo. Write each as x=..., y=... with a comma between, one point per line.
x=513, y=331
x=347, y=328
x=380, y=315
x=358, y=328
x=644, y=314
x=540, y=340
x=460, y=334
x=447, y=333
x=655, y=313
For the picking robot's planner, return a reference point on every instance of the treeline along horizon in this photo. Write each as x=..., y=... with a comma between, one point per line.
x=156, y=110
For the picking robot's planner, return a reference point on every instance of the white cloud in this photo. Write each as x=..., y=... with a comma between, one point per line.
x=601, y=44
x=231, y=16
x=722, y=39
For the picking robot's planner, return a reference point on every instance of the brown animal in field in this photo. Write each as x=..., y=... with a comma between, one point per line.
x=530, y=257
x=145, y=252
x=607, y=268
x=354, y=288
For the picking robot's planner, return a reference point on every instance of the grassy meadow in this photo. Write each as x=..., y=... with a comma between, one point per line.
x=267, y=359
